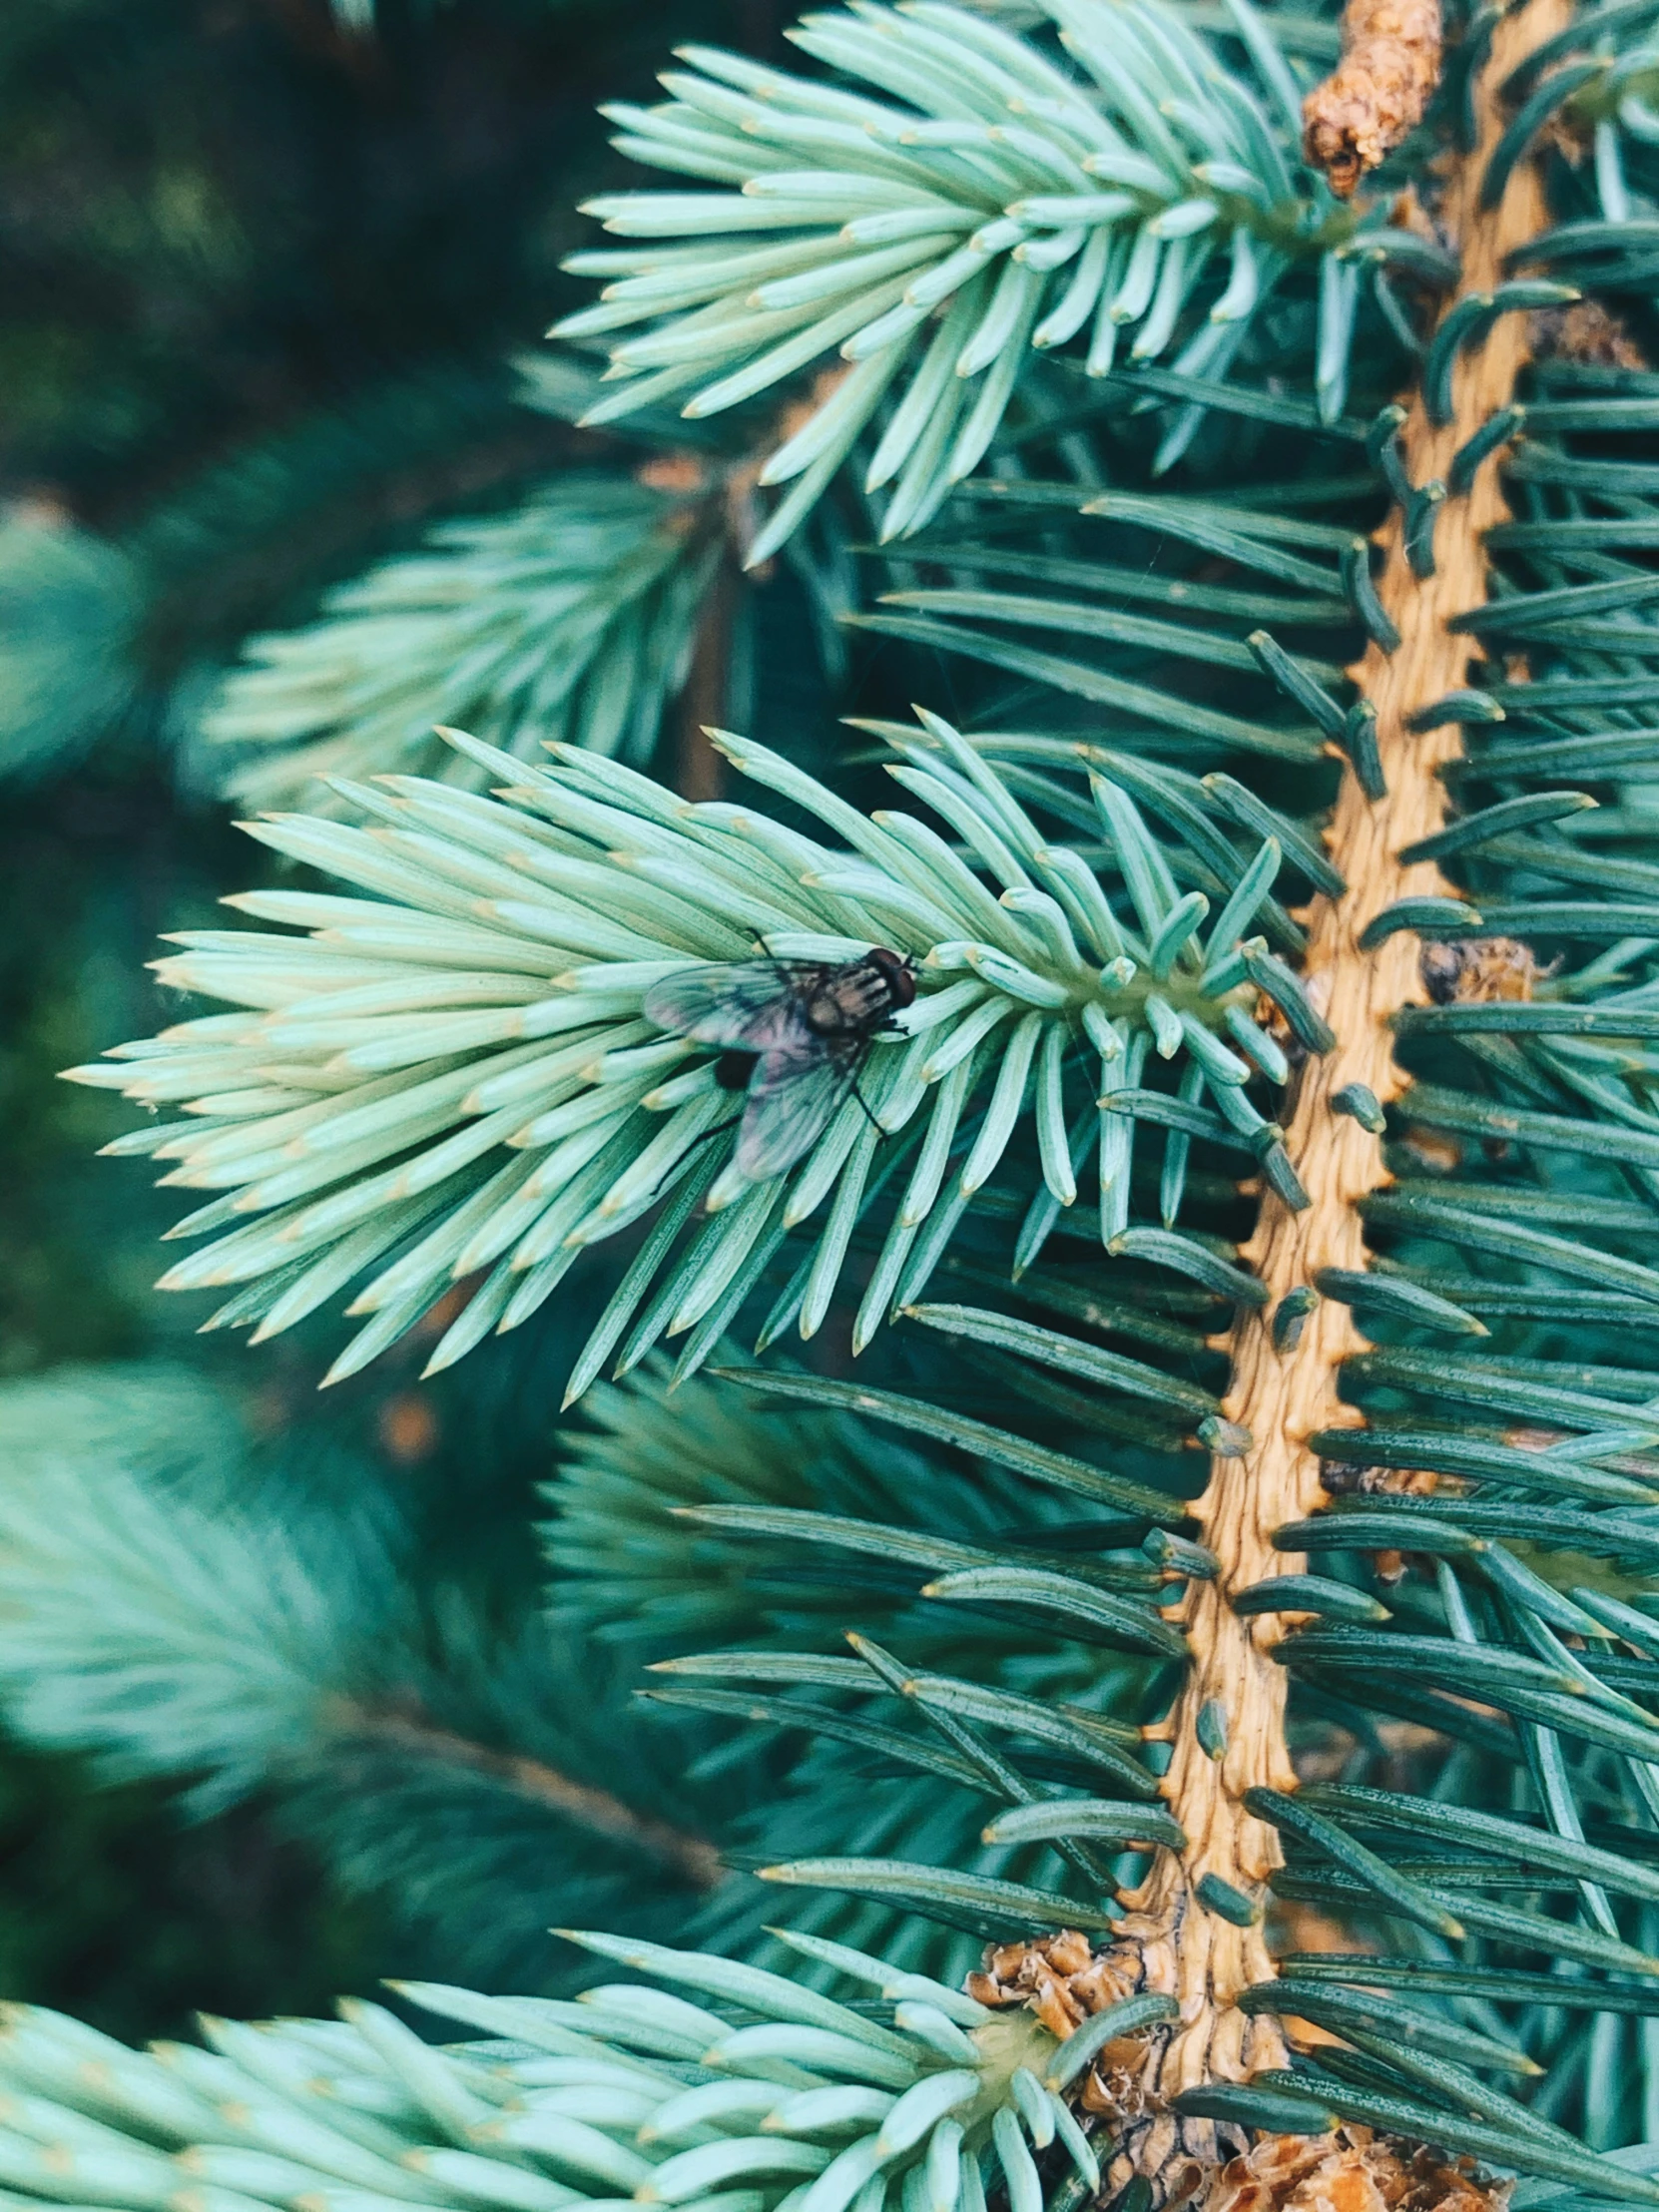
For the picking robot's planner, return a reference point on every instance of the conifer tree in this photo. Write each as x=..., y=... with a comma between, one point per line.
x=1191, y=1690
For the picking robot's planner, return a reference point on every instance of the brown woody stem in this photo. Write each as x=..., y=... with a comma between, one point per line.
x=1282, y=1398
x=691, y=1858
x=700, y=772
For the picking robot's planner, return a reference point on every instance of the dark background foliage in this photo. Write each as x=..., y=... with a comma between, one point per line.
x=261, y=272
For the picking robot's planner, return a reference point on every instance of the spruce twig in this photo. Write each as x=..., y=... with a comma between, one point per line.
x=1282, y=1394
x=598, y=1811
x=699, y=770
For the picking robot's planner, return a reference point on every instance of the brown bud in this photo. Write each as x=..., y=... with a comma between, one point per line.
x=1377, y=93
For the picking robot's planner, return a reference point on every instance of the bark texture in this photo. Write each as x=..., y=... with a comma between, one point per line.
x=1282, y=1398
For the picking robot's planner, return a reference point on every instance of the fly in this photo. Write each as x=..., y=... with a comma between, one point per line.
x=794, y=1035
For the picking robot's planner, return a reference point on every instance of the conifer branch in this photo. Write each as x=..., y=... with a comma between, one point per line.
x=565, y=900
x=1007, y=206
x=599, y=1812
x=636, y=2094
x=471, y=1066
x=576, y=616
x=1285, y=1384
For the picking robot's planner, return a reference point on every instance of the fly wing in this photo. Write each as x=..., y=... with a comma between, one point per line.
x=726, y=1003
x=792, y=1098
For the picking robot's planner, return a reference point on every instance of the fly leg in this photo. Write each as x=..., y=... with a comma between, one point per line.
x=868, y=1112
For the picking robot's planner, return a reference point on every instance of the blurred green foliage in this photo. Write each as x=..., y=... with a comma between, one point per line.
x=263, y=273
